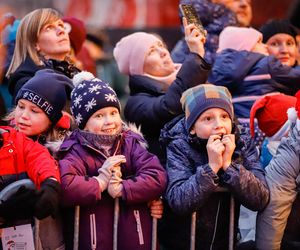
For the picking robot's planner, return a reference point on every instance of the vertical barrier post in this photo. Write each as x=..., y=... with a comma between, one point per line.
x=154, y=234
x=193, y=231
x=116, y=221
x=231, y=224
x=76, y=228
x=36, y=233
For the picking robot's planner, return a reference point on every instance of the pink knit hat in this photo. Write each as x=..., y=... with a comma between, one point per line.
x=238, y=38
x=131, y=50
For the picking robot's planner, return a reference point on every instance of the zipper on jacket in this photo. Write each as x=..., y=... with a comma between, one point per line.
x=93, y=232
x=215, y=227
x=139, y=226
x=98, y=151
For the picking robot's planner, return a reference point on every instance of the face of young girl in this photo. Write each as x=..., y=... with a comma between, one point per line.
x=30, y=119
x=105, y=121
x=53, y=41
x=158, y=61
x=213, y=121
x=284, y=48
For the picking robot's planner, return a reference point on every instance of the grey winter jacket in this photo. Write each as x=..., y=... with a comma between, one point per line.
x=282, y=175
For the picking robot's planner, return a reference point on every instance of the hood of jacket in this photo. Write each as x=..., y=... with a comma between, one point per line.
x=174, y=129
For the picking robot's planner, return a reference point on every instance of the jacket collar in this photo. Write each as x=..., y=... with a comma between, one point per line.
x=138, y=83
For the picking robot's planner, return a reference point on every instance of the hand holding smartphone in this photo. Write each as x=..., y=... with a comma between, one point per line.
x=189, y=12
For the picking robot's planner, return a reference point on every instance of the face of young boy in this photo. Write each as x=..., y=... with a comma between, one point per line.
x=105, y=121
x=213, y=121
x=30, y=119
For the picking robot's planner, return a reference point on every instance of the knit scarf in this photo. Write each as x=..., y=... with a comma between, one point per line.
x=105, y=143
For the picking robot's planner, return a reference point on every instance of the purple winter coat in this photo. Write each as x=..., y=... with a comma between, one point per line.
x=144, y=179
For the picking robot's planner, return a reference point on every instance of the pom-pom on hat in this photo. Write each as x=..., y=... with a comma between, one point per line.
x=89, y=95
x=77, y=32
x=271, y=112
x=294, y=113
x=48, y=90
x=198, y=99
x=274, y=27
x=238, y=38
x=131, y=50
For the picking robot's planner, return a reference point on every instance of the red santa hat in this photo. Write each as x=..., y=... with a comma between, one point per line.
x=271, y=112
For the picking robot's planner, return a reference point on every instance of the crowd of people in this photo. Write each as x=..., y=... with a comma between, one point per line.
x=207, y=128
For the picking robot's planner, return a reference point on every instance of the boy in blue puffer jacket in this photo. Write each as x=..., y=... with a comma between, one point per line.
x=206, y=151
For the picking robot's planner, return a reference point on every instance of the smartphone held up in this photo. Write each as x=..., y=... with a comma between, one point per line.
x=189, y=12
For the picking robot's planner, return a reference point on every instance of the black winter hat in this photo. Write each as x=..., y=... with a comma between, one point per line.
x=48, y=90
x=273, y=27
x=89, y=95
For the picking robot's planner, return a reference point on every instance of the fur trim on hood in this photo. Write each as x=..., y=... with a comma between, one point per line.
x=137, y=130
x=54, y=146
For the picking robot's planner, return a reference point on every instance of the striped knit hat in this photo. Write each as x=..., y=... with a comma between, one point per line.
x=202, y=97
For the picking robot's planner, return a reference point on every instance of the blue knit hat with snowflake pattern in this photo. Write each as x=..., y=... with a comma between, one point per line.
x=89, y=95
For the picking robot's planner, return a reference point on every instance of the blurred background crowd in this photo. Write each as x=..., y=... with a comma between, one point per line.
x=98, y=25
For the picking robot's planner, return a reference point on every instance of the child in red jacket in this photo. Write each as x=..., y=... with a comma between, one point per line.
x=39, y=106
x=22, y=158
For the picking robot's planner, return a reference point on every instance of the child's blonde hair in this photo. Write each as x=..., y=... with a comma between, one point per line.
x=54, y=133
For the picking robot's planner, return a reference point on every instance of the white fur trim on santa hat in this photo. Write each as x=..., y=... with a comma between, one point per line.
x=292, y=114
x=82, y=76
x=298, y=124
x=293, y=117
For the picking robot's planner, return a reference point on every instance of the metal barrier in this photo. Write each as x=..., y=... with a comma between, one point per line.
x=76, y=228
x=154, y=234
x=154, y=226
x=116, y=222
x=36, y=234
x=193, y=231
x=115, y=228
x=231, y=223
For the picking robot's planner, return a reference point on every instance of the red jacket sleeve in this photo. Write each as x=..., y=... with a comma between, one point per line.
x=39, y=163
